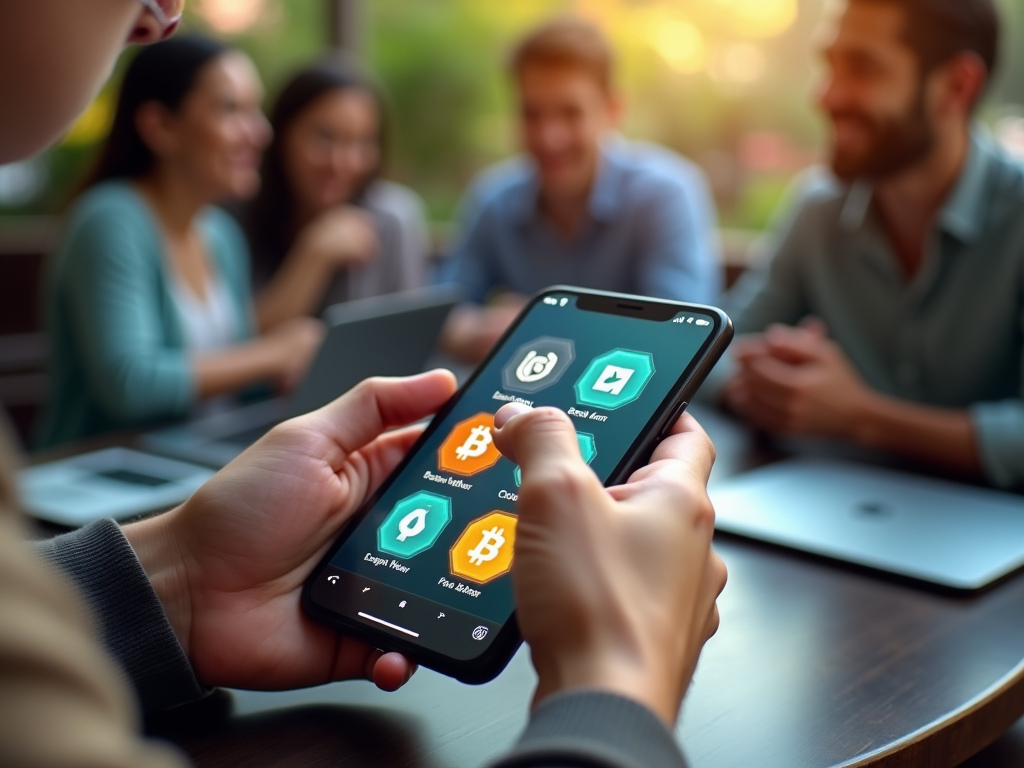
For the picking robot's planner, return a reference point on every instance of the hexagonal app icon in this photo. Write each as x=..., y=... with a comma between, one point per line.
x=484, y=550
x=588, y=448
x=414, y=524
x=537, y=364
x=469, y=448
x=615, y=379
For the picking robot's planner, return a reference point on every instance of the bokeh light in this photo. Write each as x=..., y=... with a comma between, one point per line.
x=760, y=18
x=681, y=44
x=738, y=63
x=230, y=17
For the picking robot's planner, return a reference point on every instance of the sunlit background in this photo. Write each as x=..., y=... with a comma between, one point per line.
x=729, y=83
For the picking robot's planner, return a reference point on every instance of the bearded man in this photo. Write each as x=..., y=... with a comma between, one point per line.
x=888, y=307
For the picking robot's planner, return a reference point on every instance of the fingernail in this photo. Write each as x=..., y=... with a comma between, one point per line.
x=508, y=411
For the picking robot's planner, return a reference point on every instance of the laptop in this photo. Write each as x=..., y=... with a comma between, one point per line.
x=957, y=536
x=114, y=482
x=391, y=335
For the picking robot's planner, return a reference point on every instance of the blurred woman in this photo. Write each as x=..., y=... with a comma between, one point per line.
x=325, y=228
x=148, y=293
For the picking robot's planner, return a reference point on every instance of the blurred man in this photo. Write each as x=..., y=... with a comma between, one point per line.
x=889, y=310
x=583, y=206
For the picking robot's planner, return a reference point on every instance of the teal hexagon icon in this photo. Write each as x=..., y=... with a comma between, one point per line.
x=414, y=524
x=588, y=447
x=615, y=379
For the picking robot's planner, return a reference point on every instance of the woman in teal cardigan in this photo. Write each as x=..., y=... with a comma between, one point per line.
x=148, y=297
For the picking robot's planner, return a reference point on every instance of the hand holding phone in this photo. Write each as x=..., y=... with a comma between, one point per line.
x=229, y=564
x=615, y=588
x=424, y=567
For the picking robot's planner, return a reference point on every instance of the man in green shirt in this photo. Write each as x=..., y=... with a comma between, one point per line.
x=889, y=308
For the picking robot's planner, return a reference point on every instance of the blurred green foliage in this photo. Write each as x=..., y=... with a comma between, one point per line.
x=441, y=67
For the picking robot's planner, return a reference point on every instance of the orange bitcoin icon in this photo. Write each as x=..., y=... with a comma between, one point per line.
x=469, y=448
x=484, y=550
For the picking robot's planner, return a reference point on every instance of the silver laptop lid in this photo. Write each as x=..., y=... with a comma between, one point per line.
x=955, y=535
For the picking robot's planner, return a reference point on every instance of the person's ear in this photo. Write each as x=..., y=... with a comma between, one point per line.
x=963, y=79
x=155, y=126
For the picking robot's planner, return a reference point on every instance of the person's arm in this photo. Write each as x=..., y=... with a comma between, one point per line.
x=987, y=438
x=280, y=356
x=612, y=667
x=338, y=238
x=680, y=255
x=999, y=435
x=119, y=334
x=593, y=729
x=116, y=330
x=940, y=436
x=802, y=383
x=63, y=700
x=131, y=620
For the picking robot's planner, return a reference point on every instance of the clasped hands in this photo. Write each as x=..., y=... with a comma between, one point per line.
x=615, y=588
x=797, y=381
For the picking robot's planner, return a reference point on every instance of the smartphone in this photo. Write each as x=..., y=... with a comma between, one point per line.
x=424, y=567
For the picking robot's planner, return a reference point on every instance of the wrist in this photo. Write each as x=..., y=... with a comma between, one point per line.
x=163, y=561
x=868, y=423
x=269, y=356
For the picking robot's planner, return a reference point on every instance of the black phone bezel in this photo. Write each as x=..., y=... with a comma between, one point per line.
x=496, y=657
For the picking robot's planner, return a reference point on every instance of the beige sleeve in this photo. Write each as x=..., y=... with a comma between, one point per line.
x=63, y=703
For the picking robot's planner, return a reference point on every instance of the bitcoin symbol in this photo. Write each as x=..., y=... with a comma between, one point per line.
x=412, y=524
x=485, y=549
x=488, y=547
x=476, y=444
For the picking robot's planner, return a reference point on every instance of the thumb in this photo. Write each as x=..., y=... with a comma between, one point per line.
x=541, y=439
x=376, y=405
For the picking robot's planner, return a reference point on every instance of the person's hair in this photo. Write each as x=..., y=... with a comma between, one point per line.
x=164, y=73
x=567, y=42
x=269, y=219
x=938, y=30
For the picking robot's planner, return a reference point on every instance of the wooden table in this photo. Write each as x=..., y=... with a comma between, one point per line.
x=815, y=665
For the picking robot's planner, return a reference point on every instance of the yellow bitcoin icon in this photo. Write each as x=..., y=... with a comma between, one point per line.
x=484, y=550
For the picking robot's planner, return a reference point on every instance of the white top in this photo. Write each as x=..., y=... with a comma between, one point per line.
x=208, y=325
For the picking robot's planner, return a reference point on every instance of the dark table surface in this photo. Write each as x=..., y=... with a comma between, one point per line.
x=816, y=664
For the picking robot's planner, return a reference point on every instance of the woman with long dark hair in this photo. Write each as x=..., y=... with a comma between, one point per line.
x=325, y=227
x=148, y=294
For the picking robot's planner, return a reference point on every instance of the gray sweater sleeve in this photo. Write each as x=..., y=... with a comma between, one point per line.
x=135, y=630
x=589, y=729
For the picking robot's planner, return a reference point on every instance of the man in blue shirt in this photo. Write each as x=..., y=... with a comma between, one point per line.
x=889, y=308
x=582, y=206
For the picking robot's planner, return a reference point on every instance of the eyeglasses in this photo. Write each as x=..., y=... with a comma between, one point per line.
x=166, y=12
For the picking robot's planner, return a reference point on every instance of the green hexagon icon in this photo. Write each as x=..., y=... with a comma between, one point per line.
x=588, y=447
x=615, y=379
x=414, y=524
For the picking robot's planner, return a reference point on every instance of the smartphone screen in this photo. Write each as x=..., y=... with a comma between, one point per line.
x=429, y=562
